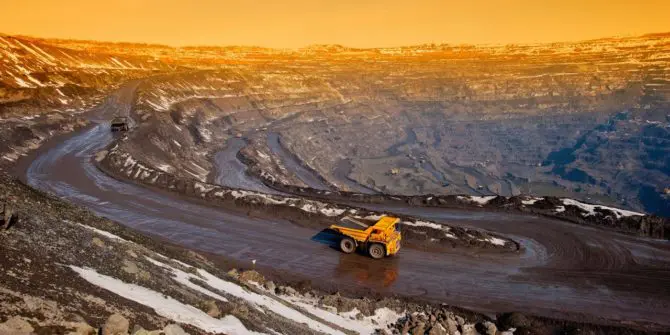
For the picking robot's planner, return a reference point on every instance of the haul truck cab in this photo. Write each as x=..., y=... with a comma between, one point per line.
x=379, y=240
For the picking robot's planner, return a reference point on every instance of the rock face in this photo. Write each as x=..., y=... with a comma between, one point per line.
x=522, y=119
x=116, y=324
x=39, y=74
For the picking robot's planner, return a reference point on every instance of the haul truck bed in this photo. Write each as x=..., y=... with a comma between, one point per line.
x=379, y=240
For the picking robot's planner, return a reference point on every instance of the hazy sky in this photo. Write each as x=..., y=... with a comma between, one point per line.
x=358, y=23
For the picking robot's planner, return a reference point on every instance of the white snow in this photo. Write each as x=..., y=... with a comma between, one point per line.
x=590, y=209
x=559, y=209
x=371, y=217
x=22, y=83
x=203, y=188
x=35, y=53
x=481, y=200
x=43, y=52
x=200, y=168
x=205, y=134
x=530, y=201
x=253, y=298
x=118, y=63
x=332, y=211
x=367, y=325
x=164, y=167
x=425, y=224
x=308, y=207
x=496, y=241
x=176, y=143
x=164, y=306
x=184, y=278
x=450, y=235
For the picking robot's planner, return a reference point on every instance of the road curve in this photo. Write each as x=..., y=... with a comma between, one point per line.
x=564, y=270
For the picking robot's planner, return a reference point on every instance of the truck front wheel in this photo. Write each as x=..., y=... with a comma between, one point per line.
x=347, y=245
x=377, y=251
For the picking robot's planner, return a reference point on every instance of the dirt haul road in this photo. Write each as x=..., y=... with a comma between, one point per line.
x=563, y=270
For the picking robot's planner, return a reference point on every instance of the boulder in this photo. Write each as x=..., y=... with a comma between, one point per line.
x=460, y=320
x=512, y=320
x=489, y=328
x=174, y=330
x=82, y=328
x=137, y=330
x=212, y=309
x=252, y=276
x=419, y=329
x=98, y=242
x=270, y=286
x=437, y=329
x=130, y=267
x=116, y=324
x=233, y=273
x=287, y=290
x=469, y=329
x=451, y=325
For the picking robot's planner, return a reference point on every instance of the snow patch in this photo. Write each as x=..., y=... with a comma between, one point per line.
x=366, y=325
x=496, y=241
x=254, y=298
x=481, y=200
x=164, y=306
x=425, y=224
x=530, y=201
x=590, y=209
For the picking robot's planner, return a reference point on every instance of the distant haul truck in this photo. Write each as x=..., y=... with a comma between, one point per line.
x=122, y=123
x=379, y=240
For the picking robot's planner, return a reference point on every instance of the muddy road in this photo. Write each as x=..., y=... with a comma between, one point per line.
x=563, y=270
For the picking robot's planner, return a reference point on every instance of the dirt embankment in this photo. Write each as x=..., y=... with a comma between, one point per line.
x=299, y=210
x=19, y=136
x=564, y=209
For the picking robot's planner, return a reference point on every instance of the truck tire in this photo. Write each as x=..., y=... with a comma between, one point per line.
x=347, y=245
x=377, y=250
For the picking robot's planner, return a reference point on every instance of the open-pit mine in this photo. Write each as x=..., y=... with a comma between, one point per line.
x=531, y=184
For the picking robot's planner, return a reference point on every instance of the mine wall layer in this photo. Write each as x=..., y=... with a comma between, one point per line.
x=121, y=165
x=645, y=226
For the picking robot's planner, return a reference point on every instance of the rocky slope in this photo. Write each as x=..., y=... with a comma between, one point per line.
x=585, y=120
x=37, y=76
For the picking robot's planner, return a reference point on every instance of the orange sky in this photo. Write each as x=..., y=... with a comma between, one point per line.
x=358, y=23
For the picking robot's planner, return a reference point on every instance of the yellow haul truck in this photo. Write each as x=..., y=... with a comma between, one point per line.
x=379, y=240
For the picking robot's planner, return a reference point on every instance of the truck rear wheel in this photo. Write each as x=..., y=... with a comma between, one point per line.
x=377, y=251
x=347, y=245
